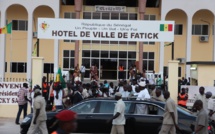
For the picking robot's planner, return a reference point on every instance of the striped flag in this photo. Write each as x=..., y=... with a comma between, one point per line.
x=34, y=53
x=166, y=27
x=7, y=29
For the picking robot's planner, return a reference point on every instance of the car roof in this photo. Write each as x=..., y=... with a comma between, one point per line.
x=130, y=99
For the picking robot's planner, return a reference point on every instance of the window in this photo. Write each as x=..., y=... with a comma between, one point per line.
x=18, y=67
x=68, y=41
x=149, y=17
x=108, y=16
x=108, y=107
x=149, y=43
x=69, y=15
x=5, y=67
x=20, y=25
x=179, y=71
x=178, y=29
x=148, y=61
x=200, y=30
x=148, y=109
x=48, y=68
x=68, y=59
x=85, y=108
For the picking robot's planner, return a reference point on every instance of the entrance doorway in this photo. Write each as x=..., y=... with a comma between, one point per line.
x=108, y=69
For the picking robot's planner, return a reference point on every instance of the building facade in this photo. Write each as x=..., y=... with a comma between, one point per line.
x=193, y=37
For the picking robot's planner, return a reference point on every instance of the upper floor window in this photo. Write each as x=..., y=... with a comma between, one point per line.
x=200, y=30
x=149, y=17
x=69, y=15
x=110, y=16
x=178, y=29
x=20, y=25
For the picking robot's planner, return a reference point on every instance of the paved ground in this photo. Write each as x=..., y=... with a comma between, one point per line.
x=8, y=126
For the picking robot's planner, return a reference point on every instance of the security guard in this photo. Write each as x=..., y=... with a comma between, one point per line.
x=67, y=122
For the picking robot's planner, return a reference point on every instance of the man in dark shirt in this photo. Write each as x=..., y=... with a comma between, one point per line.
x=78, y=95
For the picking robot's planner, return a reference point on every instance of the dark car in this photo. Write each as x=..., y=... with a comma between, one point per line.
x=141, y=116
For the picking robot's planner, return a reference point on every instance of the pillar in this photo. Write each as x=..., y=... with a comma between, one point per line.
x=29, y=44
x=78, y=9
x=3, y=46
x=142, y=7
x=37, y=70
x=161, y=57
x=213, y=40
x=173, y=79
x=189, y=43
x=56, y=49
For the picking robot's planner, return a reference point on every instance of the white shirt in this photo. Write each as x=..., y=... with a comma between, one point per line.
x=32, y=99
x=111, y=92
x=143, y=95
x=125, y=94
x=211, y=106
x=82, y=69
x=85, y=93
x=121, y=89
x=119, y=108
x=77, y=79
x=58, y=102
x=203, y=99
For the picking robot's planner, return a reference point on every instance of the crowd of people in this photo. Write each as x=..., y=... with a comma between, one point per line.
x=55, y=96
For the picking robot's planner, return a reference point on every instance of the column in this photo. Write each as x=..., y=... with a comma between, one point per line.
x=213, y=40
x=3, y=47
x=78, y=9
x=161, y=57
x=37, y=70
x=189, y=43
x=56, y=49
x=29, y=44
x=173, y=79
x=142, y=7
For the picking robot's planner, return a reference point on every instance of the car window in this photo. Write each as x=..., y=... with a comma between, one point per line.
x=85, y=108
x=108, y=107
x=147, y=109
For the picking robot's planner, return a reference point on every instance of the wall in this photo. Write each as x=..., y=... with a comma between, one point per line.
x=206, y=75
x=202, y=51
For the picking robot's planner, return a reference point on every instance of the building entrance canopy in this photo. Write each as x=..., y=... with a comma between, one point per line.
x=77, y=29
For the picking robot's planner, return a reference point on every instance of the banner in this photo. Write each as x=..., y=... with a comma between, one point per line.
x=193, y=91
x=8, y=92
x=106, y=30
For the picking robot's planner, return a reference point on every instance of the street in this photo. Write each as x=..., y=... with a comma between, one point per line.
x=8, y=126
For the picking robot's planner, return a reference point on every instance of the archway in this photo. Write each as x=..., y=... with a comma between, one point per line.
x=180, y=18
x=202, y=40
x=46, y=47
x=16, y=42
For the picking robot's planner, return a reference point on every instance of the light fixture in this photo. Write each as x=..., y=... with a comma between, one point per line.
x=193, y=68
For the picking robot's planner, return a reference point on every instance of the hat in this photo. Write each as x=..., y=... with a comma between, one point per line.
x=208, y=93
x=66, y=115
x=118, y=94
x=37, y=90
x=36, y=87
x=142, y=84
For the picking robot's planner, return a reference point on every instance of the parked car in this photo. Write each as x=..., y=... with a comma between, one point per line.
x=141, y=116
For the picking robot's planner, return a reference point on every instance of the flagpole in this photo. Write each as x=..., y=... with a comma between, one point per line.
x=10, y=54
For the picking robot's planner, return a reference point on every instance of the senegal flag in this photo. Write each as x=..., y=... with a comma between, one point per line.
x=165, y=27
x=7, y=29
x=59, y=78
